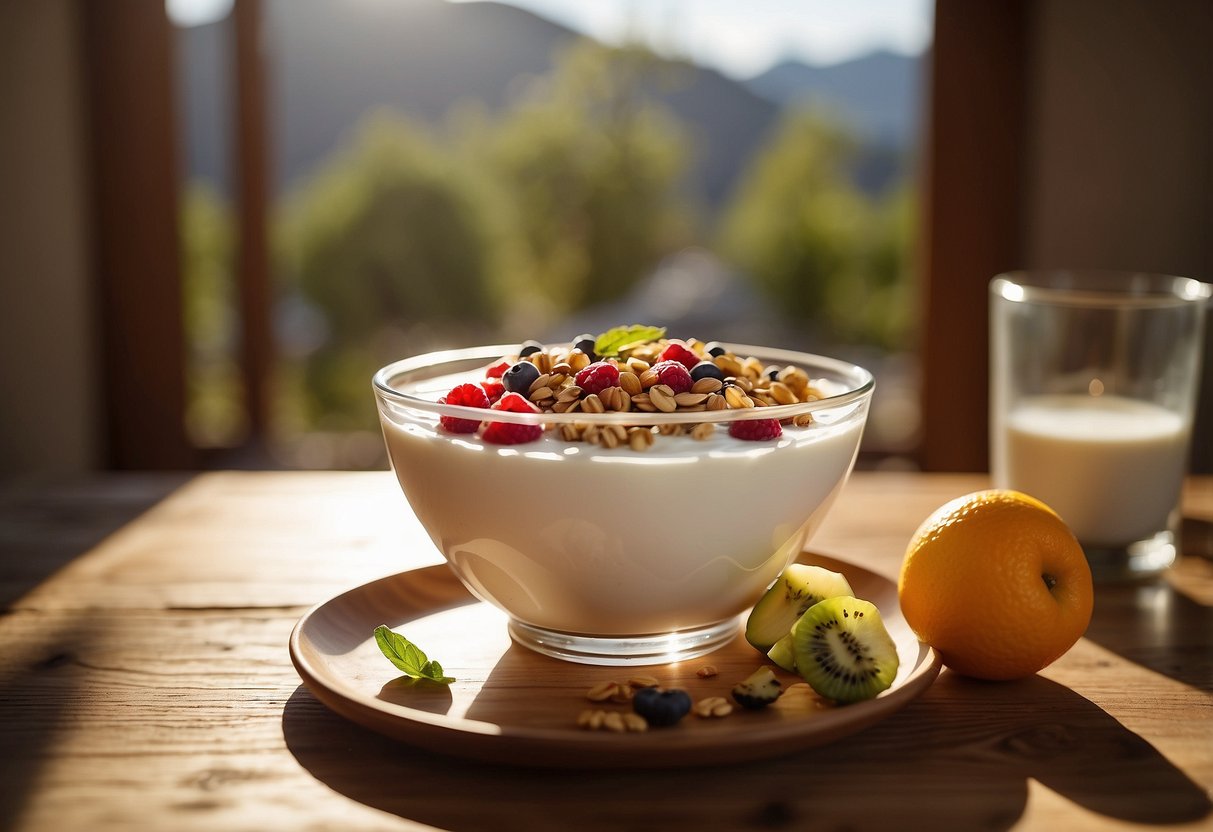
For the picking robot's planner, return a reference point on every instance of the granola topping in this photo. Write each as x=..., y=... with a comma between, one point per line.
x=642, y=377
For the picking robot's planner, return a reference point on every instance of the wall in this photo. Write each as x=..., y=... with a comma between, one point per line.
x=49, y=413
x=1120, y=154
x=1120, y=148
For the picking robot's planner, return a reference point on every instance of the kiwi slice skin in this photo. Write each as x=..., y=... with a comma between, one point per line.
x=843, y=650
x=799, y=587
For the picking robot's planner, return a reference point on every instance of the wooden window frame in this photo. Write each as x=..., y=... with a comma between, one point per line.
x=133, y=132
x=971, y=229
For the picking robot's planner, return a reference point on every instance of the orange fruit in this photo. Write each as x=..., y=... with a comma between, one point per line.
x=996, y=582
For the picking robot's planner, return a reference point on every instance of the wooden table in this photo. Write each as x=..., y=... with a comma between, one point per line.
x=145, y=684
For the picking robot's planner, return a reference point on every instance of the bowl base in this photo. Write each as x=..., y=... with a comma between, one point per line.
x=658, y=648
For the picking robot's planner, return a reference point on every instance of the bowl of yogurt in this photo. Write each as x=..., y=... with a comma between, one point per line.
x=624, y=498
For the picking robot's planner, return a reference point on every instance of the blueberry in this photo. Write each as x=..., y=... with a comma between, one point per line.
x=585, y=343
x=661, y=707
x=715, y=348
x=706, y=369
x=520, y=377
x=772, y=373
x=529, y=347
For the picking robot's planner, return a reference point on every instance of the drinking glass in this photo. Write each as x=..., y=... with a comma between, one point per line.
x=1093, y=384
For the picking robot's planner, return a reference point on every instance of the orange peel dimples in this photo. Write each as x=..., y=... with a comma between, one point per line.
x=997, y=583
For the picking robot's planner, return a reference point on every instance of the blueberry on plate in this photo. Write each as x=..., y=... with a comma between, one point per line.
x=661, y=707
x=529, y=347
x=715, y=349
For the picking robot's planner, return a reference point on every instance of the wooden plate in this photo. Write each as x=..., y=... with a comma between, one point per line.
x=513, y=705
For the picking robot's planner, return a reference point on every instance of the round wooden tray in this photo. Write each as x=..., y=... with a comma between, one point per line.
x=515, y=706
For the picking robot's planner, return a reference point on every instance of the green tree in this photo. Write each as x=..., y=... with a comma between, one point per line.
x=827, y=254
x=591, y=167
x=876, y=306
x=392, y=241
x=392, y=229
x=214, y=416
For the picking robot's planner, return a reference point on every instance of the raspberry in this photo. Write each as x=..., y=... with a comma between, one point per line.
x=673, y=374
x=493, y=388
x=756, y=430
x=597, y=377
x=678, y=351
x=466, y=395
x=515, y=403
x=497, y=369
x=504, y=433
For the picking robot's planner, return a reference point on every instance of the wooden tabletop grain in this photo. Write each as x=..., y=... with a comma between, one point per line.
x=145, y=685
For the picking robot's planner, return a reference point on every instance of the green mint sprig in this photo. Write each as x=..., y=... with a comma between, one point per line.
x=408, y=657
x=622, y=338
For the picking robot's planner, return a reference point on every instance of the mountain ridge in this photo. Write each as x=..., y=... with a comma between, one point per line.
x=879, y=94
x=327, y=67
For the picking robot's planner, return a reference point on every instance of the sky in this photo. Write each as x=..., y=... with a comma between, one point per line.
x=741, y=38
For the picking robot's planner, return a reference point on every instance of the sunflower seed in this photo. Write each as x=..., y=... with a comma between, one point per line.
x=602, y=691
x=630, y=382
x=783, y=394
x=690, y=399
x=640, y=438
x=712, y=706
x=736, y=398
x=662, y=397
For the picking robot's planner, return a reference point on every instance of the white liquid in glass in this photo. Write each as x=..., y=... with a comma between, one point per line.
x=1111, y=467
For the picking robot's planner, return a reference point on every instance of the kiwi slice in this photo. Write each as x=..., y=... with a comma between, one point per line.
x=843, y=650
x=783, y=654
x=760, y=689
x=799, y=587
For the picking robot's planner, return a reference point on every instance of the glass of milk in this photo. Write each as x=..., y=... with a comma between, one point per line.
x=1093, y=384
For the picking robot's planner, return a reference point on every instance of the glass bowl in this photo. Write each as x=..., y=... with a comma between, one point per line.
x=641, y=550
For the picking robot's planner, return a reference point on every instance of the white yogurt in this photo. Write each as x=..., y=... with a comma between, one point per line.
x=1111, y=467
x=612, y=542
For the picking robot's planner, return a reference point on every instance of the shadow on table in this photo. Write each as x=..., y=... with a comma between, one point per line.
x=1155, y=623
x=958, y=757
x=41, y=682
x=45, y=527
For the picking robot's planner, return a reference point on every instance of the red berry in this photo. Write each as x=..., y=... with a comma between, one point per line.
x=757, y=430
x=498, y=368
x=678, y=351
x=674, y=375
x=516, y=403
x=466, y=395
x=504, y=433
x=493, y=388
x=597, y=377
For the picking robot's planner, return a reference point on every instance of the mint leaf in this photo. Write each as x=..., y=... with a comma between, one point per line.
x=621, y=338
x=408, y=657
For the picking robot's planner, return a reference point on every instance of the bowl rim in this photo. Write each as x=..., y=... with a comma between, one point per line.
x=860, y=385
